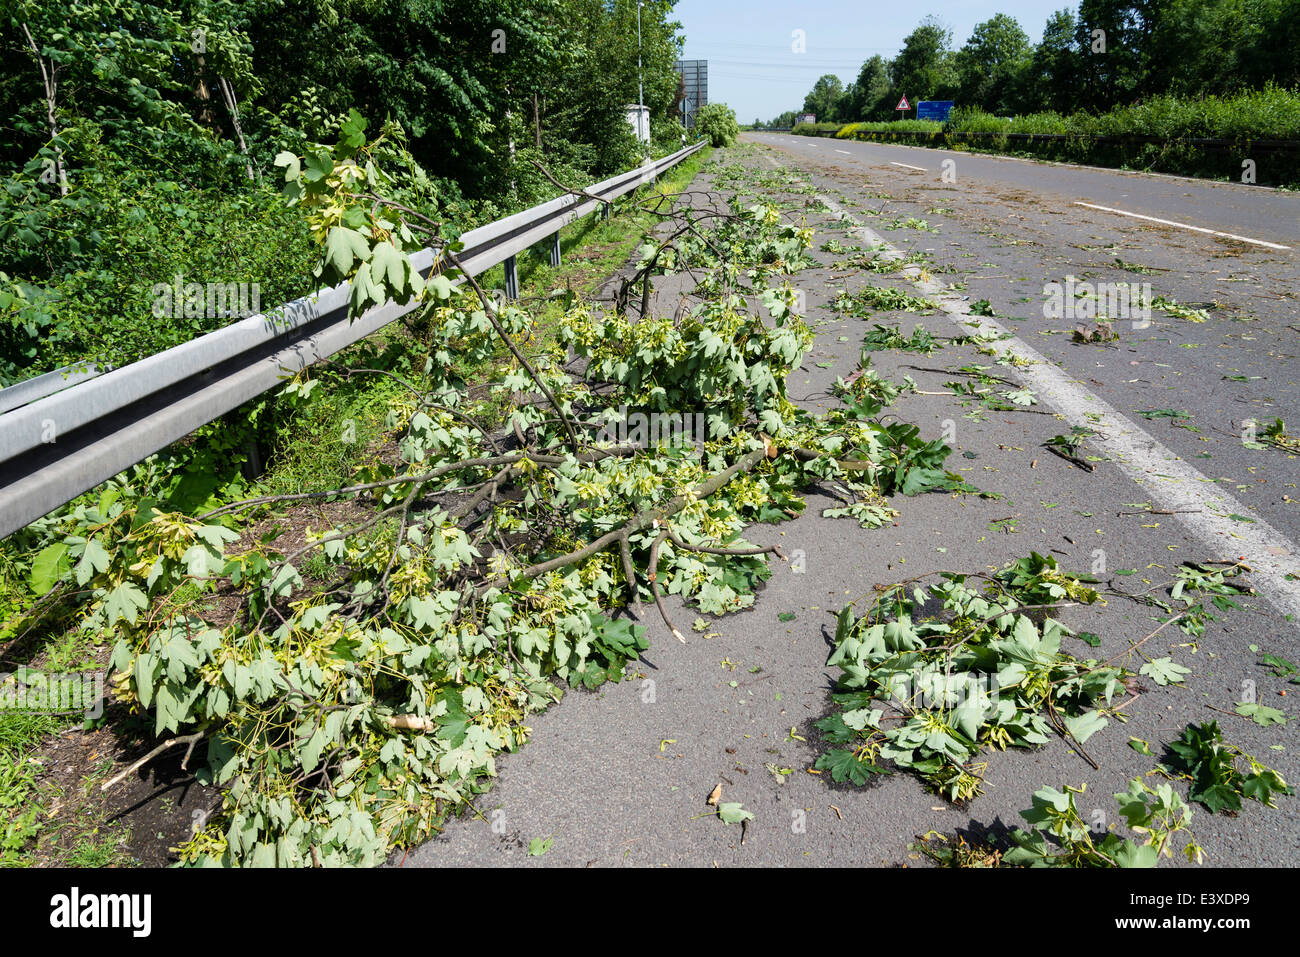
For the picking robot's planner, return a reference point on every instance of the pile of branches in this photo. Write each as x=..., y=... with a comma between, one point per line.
x=513, y=539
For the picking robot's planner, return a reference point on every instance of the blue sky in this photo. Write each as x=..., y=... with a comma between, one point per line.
x=748, y=44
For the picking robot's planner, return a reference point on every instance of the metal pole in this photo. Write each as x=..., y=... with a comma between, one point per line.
x=640, y=84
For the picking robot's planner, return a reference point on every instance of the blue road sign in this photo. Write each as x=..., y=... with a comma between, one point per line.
x=934, y=110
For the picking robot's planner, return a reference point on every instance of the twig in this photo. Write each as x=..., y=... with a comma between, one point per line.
x=629, y=571
x=50, y=80
x=490, y=310
x=1135, y=647
x=591, y=455
x=1065, y=734
x=653, y=578
x=190, y=739
x=1061, y=453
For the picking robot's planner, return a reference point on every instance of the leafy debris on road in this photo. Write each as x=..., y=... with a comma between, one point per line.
x=1203, y=757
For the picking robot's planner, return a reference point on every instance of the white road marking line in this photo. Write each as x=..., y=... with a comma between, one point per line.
x=1170, y=482
x=1198, y=229
x=845, y=152
x=909, y=166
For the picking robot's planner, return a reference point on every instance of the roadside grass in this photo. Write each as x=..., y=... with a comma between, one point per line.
x=21, y=807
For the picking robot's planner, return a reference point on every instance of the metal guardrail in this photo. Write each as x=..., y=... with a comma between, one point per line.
x=56, y=445
x=22, y=393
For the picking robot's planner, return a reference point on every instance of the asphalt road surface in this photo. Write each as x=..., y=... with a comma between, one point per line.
x=620, y=776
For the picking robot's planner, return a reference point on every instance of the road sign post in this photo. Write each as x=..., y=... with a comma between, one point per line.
x=903, y=105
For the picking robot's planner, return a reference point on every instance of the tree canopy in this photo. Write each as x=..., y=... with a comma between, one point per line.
x=1101, y=55
x=139, y=137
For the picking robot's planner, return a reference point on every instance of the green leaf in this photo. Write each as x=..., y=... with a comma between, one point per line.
x=145, y=666
x=1282, y=667
x=1134, y=855
x=1164, y=671
x=441, y=285
x=310, y=752
x=846, y=766
x=539, y=846
x=124, y=601
x=1261, y=714
x=93, y=559
x=343, y=248
x=1217, y=797
x=319, y=166
x=733, y=812
x=1084, y=726
x=50, y=565
x=292, y=167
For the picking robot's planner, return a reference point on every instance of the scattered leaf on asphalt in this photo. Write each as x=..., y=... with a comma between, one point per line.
x=733, y=812
x=539, y=846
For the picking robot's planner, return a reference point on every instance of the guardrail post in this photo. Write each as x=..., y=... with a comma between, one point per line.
x=512, y=278
x=604, y=211
x=555, y=250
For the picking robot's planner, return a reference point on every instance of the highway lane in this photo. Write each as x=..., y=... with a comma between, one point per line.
x=1267, y=214
x=1239, y=360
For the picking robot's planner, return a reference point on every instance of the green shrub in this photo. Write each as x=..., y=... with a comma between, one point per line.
x=852, y=130
x=117, y=238
x=816, y=129
x=666, y=136
x=1270, y=113
x=717, y=121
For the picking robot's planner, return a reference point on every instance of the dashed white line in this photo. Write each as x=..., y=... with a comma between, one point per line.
x=845, y=152
x=909, y=166
x=1170, y=481
x=1198, y=229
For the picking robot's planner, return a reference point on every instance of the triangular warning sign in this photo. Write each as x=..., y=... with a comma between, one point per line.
x=902, y=104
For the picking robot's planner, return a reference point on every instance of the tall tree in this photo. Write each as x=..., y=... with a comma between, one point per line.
x=871, y=90
x=923, y=69
x=1053, y=79
x=991, y=67
x=1220, y=46
x=823, y=98
x=1110, y=36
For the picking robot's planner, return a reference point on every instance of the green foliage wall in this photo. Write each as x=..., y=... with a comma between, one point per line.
x=140, y=137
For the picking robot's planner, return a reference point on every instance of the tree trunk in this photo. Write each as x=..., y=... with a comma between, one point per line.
x=51, y=84
x=229, y=93
x=204, y=96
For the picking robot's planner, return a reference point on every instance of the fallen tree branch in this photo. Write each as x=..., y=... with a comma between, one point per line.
x=190, y=739
x=643, y=520
x=591, y=455
x=410, y=722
